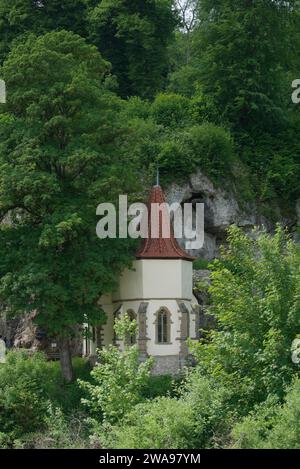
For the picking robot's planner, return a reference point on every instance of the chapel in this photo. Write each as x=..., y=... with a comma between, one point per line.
x=157, y=292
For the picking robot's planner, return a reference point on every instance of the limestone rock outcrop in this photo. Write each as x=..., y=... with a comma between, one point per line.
x=222, y=208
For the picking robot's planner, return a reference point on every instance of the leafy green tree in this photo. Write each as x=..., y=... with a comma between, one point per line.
x=134, y=37
x=255, y=299
x=20, y=17
x=61, y=155
x=244, y=50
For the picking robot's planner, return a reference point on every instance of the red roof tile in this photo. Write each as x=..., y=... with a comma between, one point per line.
x=160, y=248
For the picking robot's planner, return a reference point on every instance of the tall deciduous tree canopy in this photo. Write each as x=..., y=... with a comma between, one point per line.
x=134, y=37
x=244, y=54
x=60, y=156
x=19, y=17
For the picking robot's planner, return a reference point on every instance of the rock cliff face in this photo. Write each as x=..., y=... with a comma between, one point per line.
x=21, y=332
x=221, y=209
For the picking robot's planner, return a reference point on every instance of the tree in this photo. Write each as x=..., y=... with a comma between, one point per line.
x=244, y=52
x=188, y=13
x=61, y=155
x=20, y=17
x=134, y=37
x=255, y=299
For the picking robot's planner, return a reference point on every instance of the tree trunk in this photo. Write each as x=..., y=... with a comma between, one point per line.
x=65, y=359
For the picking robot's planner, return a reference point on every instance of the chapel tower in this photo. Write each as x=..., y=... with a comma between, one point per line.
x=158, y=293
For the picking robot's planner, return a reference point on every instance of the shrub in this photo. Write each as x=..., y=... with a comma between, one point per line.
x=171, y=110
x=206, y=147
x=61, y=432
x=210, y=148
x=212, y=412
x=201, y=264
x=272, y=425
x=68, y=396
x=161, y=385
x=196, y=418
x=28, y=382
x=118, y=379
x=161, y=423
x=25, y=384
x=174, y=159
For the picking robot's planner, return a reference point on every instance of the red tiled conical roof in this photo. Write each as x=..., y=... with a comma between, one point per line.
x=160, y=248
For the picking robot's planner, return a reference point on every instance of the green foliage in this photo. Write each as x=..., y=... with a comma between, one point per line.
x=171, y=110
x=236, y=64
x=174, y=160
x=61, y=154
x=24, y=386
x=200, y=264
x=118, y=381
x=210, y=401
x=272, y=425
x=134, y=37
x=67, y=397
x=60, y=431
x=160, y=385
x=30, y=388
x=20, y=17
x=245, y=85
x=211, y=148
x=119, y=378
x=255, y=299
x=191, y=420
x=125, y=327
x=184, y=81
x=206, y=146
x=161, y=423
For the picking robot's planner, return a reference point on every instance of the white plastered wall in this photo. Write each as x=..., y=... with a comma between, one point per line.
x=156, y=279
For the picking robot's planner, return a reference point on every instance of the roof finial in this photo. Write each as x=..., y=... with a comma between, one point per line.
x=157, y=175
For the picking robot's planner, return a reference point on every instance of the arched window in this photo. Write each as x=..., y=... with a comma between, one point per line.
x=163, y=326
x=131, y=338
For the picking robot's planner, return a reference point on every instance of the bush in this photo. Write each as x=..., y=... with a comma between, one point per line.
x=118, y=379
x=161, y=423
x=206, y=147
x=272, y=425
x=159, y=386
x=212, y=412
x=28, y=382
x=118, y=383
x=171, y=110
x=201, y=264
x=68, y=396
x=174, y=159
x=60, y=432
x=196, y=418
x=25, y=383
x=210, y=148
